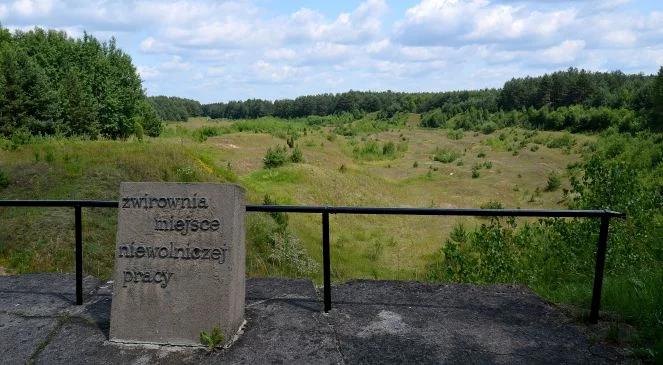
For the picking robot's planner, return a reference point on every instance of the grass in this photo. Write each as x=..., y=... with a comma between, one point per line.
x=79, y=169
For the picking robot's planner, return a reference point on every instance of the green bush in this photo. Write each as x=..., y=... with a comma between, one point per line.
x=488, y=127
x=475, y=171
x=20, y=137
x=491, y=205
x=275, y=157
x=455, y=134
x=388, y=149
x=138, y=130
x=445, y=155
x=566, y=140
x=201, y=134
x=296, y=155
x=4, y=180
x=372, y=150
x=554, y=182
x=185, y=174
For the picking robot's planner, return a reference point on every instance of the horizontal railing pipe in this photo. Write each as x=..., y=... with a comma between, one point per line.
x=476, y=212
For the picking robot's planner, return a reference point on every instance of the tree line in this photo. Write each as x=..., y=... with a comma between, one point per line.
x=174, y=108
x=572, y=99
x=52, y=84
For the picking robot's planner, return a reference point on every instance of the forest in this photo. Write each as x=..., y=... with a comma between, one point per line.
x=573, y=99
x=52, y=84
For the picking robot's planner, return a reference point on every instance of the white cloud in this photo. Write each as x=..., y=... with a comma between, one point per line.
x=29, y=8
x=147, y=72
x=364, y=23
x=565, y=52
x=268, y=72
x=454, y=22
x=175, y=64
x=281, y=54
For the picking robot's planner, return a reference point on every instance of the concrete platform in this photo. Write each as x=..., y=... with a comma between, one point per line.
x=373, y=322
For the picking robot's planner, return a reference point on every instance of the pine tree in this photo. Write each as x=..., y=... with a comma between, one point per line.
x=657, y=101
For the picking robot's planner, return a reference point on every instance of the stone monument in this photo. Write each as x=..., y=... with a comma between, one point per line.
x=179, y=263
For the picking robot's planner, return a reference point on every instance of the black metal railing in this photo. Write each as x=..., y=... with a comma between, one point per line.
x=325, y=211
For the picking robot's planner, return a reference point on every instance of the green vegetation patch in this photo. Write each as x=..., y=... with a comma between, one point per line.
x=374, y=150
x=445, y=155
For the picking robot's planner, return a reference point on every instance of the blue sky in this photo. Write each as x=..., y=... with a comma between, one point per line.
x=226, y=50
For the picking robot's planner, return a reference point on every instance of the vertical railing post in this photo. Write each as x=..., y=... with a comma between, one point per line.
x=326, y=262
x=598, y=271
x=79, y=255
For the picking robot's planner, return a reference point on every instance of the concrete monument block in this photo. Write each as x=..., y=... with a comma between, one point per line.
x=179, y=262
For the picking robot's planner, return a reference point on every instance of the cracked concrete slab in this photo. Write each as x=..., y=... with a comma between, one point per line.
x=372, y=322
x=43, y=294
x=21, y=336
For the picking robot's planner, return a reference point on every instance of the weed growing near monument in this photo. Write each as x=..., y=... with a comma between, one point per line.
x=213, y=339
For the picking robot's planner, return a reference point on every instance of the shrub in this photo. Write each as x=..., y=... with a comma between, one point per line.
x=372, y=150
x=296, y=155
x=138, y=130
x=534, y=148
x=475, y=171
x=481, y=154
x=491, y=205
x=455, y=134
x=488, y=164
x=554, y=182
x=275, y=157
x=50, y=156
x=201, y=134
x=20, y=137
x=280, y=218
x=415, y=164
x=4, y=180
x=434, y=119
x=389, y=149
x=488, y=127
x=287, y=252
x=565, y=140
x=445, y=155
x=185, y=174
